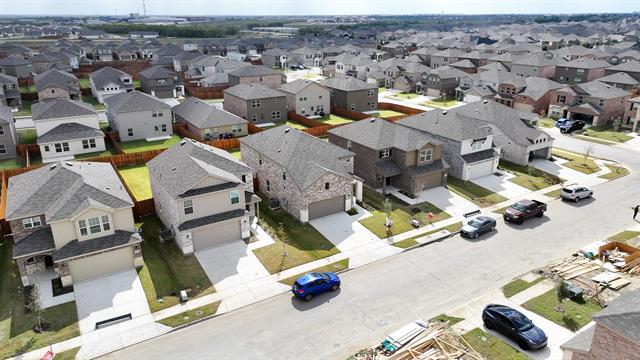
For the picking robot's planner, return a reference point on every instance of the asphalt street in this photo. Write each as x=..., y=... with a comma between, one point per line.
x=379, y=298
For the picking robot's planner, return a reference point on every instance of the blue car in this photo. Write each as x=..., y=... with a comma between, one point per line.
x=315, y=283
x=514, y=325
x=561, y=122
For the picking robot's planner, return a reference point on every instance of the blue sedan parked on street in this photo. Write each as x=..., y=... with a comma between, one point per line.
x=315, y=283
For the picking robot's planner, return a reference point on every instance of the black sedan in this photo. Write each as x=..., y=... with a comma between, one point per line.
x=514, y=325
x=478, y=226
x=572, y=125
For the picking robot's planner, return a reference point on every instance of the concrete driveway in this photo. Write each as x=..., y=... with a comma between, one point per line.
x=501, y=185
x=238, y=276
x=448, y=201
x=353, y=239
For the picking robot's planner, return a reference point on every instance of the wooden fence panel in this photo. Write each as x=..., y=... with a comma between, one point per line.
x=204, y=92
x=399, y=108
x=291, y=115
x=143, y=208
x=354, y=115
x=319, y=131
x=226, y=144
x=254, y=129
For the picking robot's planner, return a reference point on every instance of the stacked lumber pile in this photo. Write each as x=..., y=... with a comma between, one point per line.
x=618, y=256
x=572, y=267
x=439, y=341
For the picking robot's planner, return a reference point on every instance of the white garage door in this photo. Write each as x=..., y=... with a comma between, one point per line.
x=480, y=169
x=326, y=207
x=216, y=235
x=102, y=264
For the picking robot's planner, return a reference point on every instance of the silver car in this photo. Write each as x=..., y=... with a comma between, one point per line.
x=575, y=192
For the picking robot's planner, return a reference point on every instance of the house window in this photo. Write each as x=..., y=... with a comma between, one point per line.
x=580, y=98
x=326, y=186
x=255, y=104
x=94, y=225
x=1, y=130
x=284, y=176
x=106, y=226
x=371, y=92
x=254, y=117
x=88, y=143
x=426, y=155
x=274, y=100
x=236, y=129
x=601, y=102
x=349, y=145
x=188, y=207
x=275, y=115
x=155, y=113
x=353, y=107
x=268, y=185
x=234, y=195
x=164, y=128
x=161, y=81
x=562, y=99
x=30, y=260
x=476, y=145
x=130, y=132
x=379, y=178
x=3, y=149
x=31, y=222
x=60, y=147
x=384, y=153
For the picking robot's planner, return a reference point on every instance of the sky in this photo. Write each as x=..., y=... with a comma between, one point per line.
x=312, y=7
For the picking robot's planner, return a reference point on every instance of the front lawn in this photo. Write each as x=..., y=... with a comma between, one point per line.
x=16, y=325
x=191, y=315
x=27, y=136
x=606, y=133
x=547, y=123
x=474, y=193
x=528, y=176
x=137, y=179
x=144, y=145
x=444, y=317
x=297, y=244
x=334, y=267
x=67, y=355
x=624, y=236
x=439, y=103
x=577, y=162
x=403, y=96
x=235, y=153
x=401, y=215
x=166, y=270
x=333, y=119
x=554, y=194
x=389, y=113
x=491, y=347
x=574, y=316
x=518, y=285
x=91, y=100
x=407, y=243
x=615, y=172
x=9, y=164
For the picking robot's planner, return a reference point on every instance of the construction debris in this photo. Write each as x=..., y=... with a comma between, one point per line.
x=618, y=256
x=439, y=341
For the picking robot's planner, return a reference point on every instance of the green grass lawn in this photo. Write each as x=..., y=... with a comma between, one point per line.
x=191, y=315
x=27, y=89
x=401, y=215
x=518, y=285
x=144, y=145
x=409, y=242
x=333, y=119
x=577, y=162
x=474, y=193
x=302, y=243
x=403, y=96
x=592, y=139
x=554, y=194
x=575, y=315
x=166, y=270
x=439, y=103
x=547, y=123
x=84, y=83
x=27, y=136
x=91, y=100
x=295, y=125
x=67, y=355
x=11, y=163
x=25, y=110
x=16, y=334
x=388, y=113
x=616, y=172
x=444, y=317
x=235, y=153
x=624, y=236
x=106, y=152
x=137, y=178
x=491, y=347
x=528, y=176
x=606, y=133
x=334, y=267
x=382, y=89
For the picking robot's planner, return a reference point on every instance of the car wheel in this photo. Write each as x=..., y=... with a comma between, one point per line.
x=590, y=195
x=519, y=222
x=308, y=297
x=475, y=235
x=488, y=325
x=576, y=199
x=523, y=345
x=335, y=287
x=492, y=228
x=539, y=215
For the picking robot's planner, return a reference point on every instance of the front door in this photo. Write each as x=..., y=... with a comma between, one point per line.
x=48, y=261
x=387, y=181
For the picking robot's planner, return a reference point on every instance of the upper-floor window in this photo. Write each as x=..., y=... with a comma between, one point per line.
x=235, y=129
x=371, y=92
x=1, y=130
x=561, y=99
x=161, y=81
x=425, y=155
x=188, y=206
x=385, y=153
x=579, y=71
x=476, y=145
x=580, y=98
x=94, y=225
x=255, y=103
x=157, y=113
x=600, y=102
x=326, y=186
x=31, y=222
x=3, y=149
x=234, y=195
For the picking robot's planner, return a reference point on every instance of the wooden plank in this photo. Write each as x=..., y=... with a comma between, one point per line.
x=618, y=284
x=577, y=273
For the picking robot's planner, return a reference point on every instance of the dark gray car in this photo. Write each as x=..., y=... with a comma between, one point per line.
x=478, y=226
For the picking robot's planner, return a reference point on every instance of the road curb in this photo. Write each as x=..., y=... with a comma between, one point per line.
x=438, y=239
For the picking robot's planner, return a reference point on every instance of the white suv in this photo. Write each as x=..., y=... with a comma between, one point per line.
x=575, y=192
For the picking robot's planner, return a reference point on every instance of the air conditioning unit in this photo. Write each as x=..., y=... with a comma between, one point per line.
x=274, y=204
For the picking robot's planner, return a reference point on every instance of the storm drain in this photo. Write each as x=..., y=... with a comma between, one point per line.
x=115, y=320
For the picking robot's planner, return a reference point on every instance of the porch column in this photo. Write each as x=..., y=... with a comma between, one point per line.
x=359, y=191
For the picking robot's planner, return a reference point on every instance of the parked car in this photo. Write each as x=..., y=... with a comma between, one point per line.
x=478, y=226
x=514, y=325
x=315, y=283
x=575, y=193
x=524, y=209
x=561, y=122
x=571, y=125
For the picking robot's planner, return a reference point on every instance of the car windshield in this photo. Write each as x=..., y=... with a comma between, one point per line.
x=325, y=276
x=519, y=207
x=475, y=223
x=521, y=322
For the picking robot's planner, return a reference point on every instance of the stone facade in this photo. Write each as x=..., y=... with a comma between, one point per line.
x=608, y=344
x=54, y=92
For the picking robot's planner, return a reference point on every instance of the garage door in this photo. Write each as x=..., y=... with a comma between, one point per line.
x=429, y=181
x=216, y=235
x=480, y=169
x=327, y=207
x=102, y=264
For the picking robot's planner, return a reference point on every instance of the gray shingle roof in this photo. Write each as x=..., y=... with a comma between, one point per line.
x=75, y=248
x=37, y=242
x=600, y=90
x=306, y=158
x=108, y=75
x=619, y=78
x=347, y=84
x=14, y=60
x=253, y=70
x=212, y=219
x=61, y=108
x=380, y=134
x=536, y=87
x=580, y=342
x=6, y=116
x=157, y=72
x=627, y=66
x=253, y=91
x=179, y=168
x=622, y=315
x=56, y=78
x=69, y=131
x=63, y=189
x=296, y=86
x=204, y=115
x=134, y=101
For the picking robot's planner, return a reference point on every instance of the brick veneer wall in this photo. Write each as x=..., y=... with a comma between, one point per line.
x=609, y=344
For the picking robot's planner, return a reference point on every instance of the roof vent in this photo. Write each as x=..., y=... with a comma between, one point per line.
x=444, y=112
x=108, y=188
x=68, y=163
x=485, y=101
x=373, y=120
x=173, y=168
x=183, y=142
x=53, y=166
x=286, y=130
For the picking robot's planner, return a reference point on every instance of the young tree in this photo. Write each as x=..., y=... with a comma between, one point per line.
x=35, y=305
x=588, y=150
x=561, y=293
x=388, y=209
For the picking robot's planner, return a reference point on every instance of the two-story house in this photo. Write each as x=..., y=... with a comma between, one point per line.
x=136, y=115
x=8, y=136
x=252, y=74
x=389, y=154
x=9, y=92
x=57, y=84
x=307, y=98
x=203, y=194
x=108, y=81
x=580, y=71
x=74, y=217
x=352, y=94
x=306, y=176
x=161, y=82
x=207, y=121
x=445, y=57
x=16, y=65
x=441, y=82
x=594, y=102
x=66, y=128
x=535, y=64
x=256, y=102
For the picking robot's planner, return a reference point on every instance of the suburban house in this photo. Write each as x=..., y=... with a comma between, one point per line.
x=9, y=92
x=620, y=80
x=392, y=155
x=352, y=94
x=614, y=334
x=66, y=128
x=57, y=84
x=74, y=217
x=43, y=62
x=632, y=68
x=256, y=102
x=631, y=114
x=441, y=82
x=580, y=71
x=203, y=194
x=306, y=176
x=108, y=81
x=445, y=57
x=207, y=121
x=16, y=65
x=161, y=82
x=536, y=95
x=8, y=136
x=136, y=115
x=594, y=102
x=307, y=98
x=251, y=74
x=535, y=64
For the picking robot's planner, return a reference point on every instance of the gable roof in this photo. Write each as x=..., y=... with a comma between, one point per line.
x=60, y=108
x=57, y=78
x=348, y=83
x=599, y=89
x=157, y=72
x=536, y=87
x=204, y=115
x=298, y=85
x=306, y=158
x=69, y=131
x=106, y=75
x=622, y=315
x=619, y=78
x=6, y=116
x=253, y=91
x=134, y=101
x=253, y=70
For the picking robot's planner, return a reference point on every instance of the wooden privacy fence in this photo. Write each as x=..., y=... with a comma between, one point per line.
x=354, y=115
x=319, y=131
x=132, y=67
x=204, y=92
x=399, y=108
x=254, y=129
x=291, y=115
